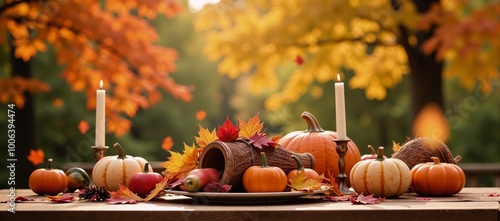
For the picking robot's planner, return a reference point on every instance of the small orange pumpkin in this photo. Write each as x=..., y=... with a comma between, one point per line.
x=310, y=173
x=264, y=178
x=381, y=177
x=437, y=179
x=48, y=181
x=320, y=144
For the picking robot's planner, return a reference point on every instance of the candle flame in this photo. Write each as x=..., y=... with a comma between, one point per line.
x=338, y=77
x=100, y=85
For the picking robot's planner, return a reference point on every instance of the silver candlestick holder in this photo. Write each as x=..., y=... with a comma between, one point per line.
x=99, y=152
x=341, y=151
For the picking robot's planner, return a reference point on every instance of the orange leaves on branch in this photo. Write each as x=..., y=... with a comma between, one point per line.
x=13, y=89
x=200, y=115
x=36, y=157
x=110, y=42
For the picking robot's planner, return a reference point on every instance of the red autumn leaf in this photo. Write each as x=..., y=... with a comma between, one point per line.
x=65, y=198
x=167, y=143
x=228, y=132
x=83, y=126
x=22, y=199
x=362, y=199
x=336, y=198
x=494, y=194
x=334, y=187
x=299, y=60
x=259, y=140
x=36, y=156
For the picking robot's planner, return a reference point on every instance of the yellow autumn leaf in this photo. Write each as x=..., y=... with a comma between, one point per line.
x=205, y=137
x=300, y=182
x=179, y=165
x=251, y=127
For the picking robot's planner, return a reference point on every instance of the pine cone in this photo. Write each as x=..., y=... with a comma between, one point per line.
x=95, y=194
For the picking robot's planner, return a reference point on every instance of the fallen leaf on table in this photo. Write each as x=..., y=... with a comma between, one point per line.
x=494, y=194
x=121, y=201
x=362, y=199
x=65, y=198
x=423, y=198
x=124, y=193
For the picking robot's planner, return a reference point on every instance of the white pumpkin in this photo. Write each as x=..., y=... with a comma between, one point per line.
x=111, y=171
x=381, y=177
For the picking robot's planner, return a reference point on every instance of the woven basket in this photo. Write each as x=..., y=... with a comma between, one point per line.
x=234, y=158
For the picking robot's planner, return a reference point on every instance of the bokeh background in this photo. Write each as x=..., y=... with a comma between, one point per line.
x=473, y=117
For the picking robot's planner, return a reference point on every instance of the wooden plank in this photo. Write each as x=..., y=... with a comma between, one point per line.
x=470, y=204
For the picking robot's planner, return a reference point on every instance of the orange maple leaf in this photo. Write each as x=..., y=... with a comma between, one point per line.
x=179, y=165
x=124, y=192
x=36, y=156
x=253, y=126
x=83, y=126
x=157, y=190
x=200, y=115
x=205, y=137
x=167, y=143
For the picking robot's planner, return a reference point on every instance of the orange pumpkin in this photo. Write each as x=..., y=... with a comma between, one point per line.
x=310, y=173
x=264, y=178
x=437, y=179
x=48, y=181
x=320, y=144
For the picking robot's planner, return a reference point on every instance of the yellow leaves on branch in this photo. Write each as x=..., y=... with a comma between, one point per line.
x=261, y=38
x=110, y=42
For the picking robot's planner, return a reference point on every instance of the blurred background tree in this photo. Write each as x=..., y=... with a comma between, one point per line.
x=474, y=119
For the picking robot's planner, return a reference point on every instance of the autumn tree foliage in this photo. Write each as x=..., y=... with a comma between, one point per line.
x=380, y=41
x=94, y=40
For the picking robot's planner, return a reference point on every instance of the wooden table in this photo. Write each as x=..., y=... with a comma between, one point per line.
x=470, y=204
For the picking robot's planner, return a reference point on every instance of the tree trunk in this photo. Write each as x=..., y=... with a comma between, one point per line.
x=426, y=81
x=24, y=124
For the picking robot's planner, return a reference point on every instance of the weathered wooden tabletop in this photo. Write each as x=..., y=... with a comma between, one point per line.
x=469, y=204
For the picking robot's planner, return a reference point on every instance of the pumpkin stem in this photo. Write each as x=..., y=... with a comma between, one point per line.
x=49, y=164
x=457, y=159
x=121, y=151
x=300, y=167
x=312, y=123
x=264, y=160
x=380, y=154
x=372, y=151
x=146, y=168
x=436, y=160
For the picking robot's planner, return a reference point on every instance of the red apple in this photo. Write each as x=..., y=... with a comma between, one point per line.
x=144, y=182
